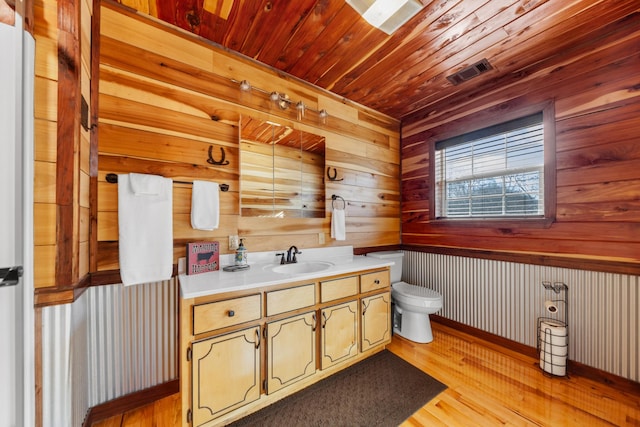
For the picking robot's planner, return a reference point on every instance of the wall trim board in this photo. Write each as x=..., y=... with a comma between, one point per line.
x=107, y=277
x=366, y=250
x=93, y=138
x=579, y=263
x=573, y=367
x=45, y=297
x=130, y=401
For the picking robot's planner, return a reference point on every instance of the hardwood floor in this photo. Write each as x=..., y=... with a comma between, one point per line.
x=487, y=385
x=491, y=385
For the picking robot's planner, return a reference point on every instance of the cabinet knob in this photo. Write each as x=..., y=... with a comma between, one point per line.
x=231, y=313
x=377, y=281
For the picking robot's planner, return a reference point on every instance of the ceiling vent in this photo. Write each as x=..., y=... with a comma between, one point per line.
x=470, y=72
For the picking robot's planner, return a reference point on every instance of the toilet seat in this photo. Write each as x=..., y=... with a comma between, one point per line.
x=416, y=295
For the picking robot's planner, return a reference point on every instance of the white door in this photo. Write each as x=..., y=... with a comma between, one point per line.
x=16, y=219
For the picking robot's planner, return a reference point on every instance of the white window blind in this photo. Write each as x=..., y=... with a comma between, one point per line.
x=493, y=172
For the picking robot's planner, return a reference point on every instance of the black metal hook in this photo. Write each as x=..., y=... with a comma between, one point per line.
x=213, y=161
x=335, y=174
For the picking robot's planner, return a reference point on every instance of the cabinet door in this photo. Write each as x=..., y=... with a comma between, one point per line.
x=339, y=333
x=225, y=373
x=291, y=350
x=376, y=321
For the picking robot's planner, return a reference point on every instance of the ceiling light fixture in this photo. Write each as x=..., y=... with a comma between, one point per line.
x=300, y=107
x=387, y=15
x=282, y=101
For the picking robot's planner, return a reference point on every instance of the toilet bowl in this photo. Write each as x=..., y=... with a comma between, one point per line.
x=411, y=304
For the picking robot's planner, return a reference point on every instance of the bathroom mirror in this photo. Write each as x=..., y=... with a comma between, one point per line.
x=281, y=171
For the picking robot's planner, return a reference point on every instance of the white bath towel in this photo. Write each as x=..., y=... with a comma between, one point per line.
x=145, y=228
x=205, y=205
x=338, y=227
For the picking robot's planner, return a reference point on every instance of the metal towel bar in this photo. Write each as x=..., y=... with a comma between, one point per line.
x=112, y=178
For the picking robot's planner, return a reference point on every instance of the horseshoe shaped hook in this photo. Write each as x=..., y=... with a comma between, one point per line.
x=335, y=174
x=213, y=161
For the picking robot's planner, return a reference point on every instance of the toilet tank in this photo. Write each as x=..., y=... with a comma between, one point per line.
x=396, y=257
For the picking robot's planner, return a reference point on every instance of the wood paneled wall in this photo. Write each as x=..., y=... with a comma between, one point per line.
x=62, y=30
x=167, y=96
x=597, y=126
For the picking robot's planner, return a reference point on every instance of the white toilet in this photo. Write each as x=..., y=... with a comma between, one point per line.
x=412, y=304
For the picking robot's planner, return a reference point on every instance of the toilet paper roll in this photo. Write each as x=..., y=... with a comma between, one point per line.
x=554, y=338
x=550, y=360
x=555, y=365
x=551, y=307
x=555, y=333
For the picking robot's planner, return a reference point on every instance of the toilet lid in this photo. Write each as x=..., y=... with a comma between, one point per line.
x=416, y=291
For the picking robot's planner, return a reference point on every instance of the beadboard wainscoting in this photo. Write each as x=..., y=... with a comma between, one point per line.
x=506, y=299
x=112, y=341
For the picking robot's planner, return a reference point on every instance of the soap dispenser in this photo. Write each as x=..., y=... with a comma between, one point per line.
x=241, y=254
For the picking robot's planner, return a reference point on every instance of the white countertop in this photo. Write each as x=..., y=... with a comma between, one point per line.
x=259, y=274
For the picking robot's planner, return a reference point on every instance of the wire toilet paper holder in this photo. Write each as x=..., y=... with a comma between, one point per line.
x=553, y=338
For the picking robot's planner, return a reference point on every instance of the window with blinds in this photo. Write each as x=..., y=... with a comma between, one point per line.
x=494, y=172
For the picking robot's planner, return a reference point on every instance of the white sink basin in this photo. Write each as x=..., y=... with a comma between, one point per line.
x=302, y=267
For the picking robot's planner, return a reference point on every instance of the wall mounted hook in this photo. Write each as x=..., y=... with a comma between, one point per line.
x=335, y=174
x=213, y=161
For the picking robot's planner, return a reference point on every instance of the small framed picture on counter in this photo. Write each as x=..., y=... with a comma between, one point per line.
x=203, y=257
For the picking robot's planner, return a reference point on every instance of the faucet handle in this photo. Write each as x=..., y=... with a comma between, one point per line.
x=297, y=252
x=282, y=261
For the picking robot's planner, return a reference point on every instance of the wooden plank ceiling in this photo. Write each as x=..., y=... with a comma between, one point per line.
x=325, y=42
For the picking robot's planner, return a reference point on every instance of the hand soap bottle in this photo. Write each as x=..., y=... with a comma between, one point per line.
x=241, y=254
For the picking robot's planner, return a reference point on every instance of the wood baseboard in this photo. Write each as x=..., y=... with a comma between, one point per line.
x=130, y=402
x=573, y=367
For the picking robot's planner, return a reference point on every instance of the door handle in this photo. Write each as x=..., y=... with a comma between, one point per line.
x=10, y=276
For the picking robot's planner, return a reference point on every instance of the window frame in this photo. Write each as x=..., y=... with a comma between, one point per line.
x=490, y=117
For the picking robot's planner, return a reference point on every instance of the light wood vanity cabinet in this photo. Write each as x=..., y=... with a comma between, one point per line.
x=245, y=350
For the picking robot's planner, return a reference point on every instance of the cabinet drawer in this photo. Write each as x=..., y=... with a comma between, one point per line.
x=339, y=288
x=290, y=299
x=221, y=314
x=373, y=281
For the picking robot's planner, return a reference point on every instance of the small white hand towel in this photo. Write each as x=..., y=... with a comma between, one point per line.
x=205, y=205
x=145, y=228
x=338, y=227
x=146, y=184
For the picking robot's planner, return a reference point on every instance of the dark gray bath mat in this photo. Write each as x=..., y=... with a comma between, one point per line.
x=382, y=390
